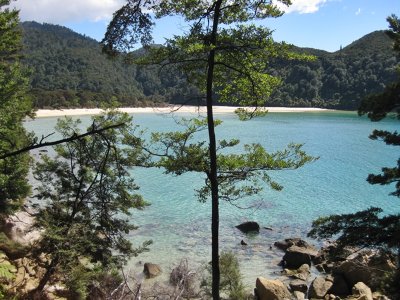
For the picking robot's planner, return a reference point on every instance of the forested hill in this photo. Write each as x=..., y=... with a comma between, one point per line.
x=69, y=70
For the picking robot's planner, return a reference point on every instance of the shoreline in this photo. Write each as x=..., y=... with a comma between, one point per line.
x=43, y=113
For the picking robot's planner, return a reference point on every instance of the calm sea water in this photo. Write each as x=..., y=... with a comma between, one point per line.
x=180, y=226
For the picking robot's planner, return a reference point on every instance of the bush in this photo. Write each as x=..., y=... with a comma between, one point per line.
x=231, y=284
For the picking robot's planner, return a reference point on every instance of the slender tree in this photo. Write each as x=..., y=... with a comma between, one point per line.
x=87, y=190
x=14, y=107
x=222, y=53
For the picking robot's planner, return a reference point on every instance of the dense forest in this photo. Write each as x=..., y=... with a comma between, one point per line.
x=69, y=70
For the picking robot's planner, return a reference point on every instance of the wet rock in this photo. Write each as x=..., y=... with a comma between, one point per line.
x=320, y=287
x=271, y=289
x=243, y=243
x=296, y=256
x=250, y=226
x=151, y=270
x=287, y=243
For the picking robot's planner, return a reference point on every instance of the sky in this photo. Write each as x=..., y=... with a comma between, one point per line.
x=321, y=24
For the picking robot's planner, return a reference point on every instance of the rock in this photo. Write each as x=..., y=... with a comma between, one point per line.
x=299, y=295
x=301, y=273
x=286, y=243
x=319, y=287
x=296, y=256
x=243, y=243
x=250, y=226
x=271, y=289
x=299, y=285
x=339, y=287
x=151, y=270
x=362, y=291
x=18, y=228
x=379, y=296
x=268, y=228
x=367, y=267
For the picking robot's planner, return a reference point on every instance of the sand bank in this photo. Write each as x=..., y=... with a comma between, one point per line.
x=42, y=113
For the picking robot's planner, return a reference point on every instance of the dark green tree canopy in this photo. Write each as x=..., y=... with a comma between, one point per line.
x=14, y=107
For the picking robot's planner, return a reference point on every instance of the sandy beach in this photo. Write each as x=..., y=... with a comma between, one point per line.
x=42, y=113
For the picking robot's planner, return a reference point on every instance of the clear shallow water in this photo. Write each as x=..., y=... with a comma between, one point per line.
x=180, y=226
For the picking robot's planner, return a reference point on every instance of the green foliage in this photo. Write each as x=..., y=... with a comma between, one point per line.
x=14, y=107
x=378, y=106
x=239, y=175
x=88, y=194
x=69, y=71
x=231, y=284
x=226, y=57
x=378, y=232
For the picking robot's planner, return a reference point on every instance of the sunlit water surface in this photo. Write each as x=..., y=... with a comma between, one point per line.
x=180, y=226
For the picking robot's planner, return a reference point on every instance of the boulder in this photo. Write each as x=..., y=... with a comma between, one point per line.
x=249, y=227
x=299, y=295
x=271, y=289
x=320, y=287
x=151, y=270
x=296, y=256
x=339, y=287
x=361, y=291
x=298, y=285
x=301, y=273
x=287, y=243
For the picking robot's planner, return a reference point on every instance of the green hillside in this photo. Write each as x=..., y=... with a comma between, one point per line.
x=69, y=70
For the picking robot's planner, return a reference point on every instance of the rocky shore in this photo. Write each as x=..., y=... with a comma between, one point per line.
x=307, y=272
x=356, y=275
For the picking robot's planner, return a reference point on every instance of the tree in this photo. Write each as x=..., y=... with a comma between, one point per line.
x=88, y=192
x=225, y=56
x=378, y=231
x=14, y=107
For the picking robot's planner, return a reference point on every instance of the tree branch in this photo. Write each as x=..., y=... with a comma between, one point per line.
x=66, y=140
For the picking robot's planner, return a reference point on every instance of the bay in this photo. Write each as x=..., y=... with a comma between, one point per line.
x=336, y=183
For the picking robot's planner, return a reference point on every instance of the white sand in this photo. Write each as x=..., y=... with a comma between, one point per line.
x=41, y=113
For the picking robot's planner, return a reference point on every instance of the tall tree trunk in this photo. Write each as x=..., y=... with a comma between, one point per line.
x=213, y=159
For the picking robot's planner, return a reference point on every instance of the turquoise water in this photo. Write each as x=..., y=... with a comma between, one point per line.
x=180, y=226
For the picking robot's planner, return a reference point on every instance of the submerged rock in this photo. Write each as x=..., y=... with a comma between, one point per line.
x=151, y=270
x=250, y=226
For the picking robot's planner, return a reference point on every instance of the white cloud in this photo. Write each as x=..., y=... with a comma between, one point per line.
x=303, y=6
x=358, y=11
x=59, y=11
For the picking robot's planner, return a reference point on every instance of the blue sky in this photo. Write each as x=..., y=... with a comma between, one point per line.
x=322, y=24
